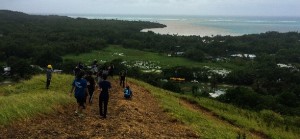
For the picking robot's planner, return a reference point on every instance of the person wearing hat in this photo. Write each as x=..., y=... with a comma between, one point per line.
x=48, y=75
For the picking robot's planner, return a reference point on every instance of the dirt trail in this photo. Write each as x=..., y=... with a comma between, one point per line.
x=138, y=118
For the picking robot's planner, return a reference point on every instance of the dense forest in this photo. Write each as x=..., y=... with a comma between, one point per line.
x=257, y=84
x=41, y=40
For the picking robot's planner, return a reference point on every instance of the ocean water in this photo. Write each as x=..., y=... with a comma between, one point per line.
x=250, y=25
x=210, y=25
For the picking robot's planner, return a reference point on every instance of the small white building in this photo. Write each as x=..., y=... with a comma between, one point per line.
x=7, y=69
x=179, y=53
x=284, y=65
x=217, y=93
x=250, y=56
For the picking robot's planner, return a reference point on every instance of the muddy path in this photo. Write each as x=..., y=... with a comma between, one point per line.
x=140, y=117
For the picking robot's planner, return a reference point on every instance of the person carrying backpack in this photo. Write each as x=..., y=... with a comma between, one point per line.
x=104, y=87
x=80, y=87
x=90, y=85
x=127, y=93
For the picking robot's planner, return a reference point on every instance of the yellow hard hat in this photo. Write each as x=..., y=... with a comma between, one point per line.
x=49, y=66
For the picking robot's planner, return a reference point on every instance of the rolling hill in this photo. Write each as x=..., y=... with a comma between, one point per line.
x=151, y=113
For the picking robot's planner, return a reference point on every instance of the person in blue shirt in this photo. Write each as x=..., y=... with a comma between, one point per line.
x=127, y=93
x=80, y=93
x=104, y=87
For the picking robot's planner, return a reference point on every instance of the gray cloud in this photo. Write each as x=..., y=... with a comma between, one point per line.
x=190, y=7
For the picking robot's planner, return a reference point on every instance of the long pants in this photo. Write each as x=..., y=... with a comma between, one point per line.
x=91, y=94
x=48, y=83
x=122, y=81
x=103, y=101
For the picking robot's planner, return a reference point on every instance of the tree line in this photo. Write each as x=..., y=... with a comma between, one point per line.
x=27, y=40
x=40, y=40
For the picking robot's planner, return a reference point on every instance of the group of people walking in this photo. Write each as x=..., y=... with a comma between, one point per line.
x=85, y=83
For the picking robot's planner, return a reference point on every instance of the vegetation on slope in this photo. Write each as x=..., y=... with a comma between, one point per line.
x=257, y=85
x=31, y=98
x=211, y=119
x=266, y=124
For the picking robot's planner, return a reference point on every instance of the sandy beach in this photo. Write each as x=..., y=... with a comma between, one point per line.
x=184, y=28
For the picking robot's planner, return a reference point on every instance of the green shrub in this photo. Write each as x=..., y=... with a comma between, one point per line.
x=271, y=118
x=172, y=87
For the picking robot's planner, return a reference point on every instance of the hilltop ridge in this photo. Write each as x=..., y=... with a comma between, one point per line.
x=140, y=117
x=28, y=110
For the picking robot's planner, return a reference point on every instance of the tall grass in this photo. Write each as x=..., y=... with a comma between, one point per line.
x=207, y=126
x=241, y=121
x=30, y=98
x=250, y=120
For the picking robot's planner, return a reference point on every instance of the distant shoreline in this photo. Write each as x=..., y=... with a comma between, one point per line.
x=209, y=25
x=182, y=28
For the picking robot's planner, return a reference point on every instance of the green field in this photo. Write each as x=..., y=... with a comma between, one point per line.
x=161, y=59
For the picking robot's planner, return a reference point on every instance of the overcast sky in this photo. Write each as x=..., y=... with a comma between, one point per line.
x=162, y=7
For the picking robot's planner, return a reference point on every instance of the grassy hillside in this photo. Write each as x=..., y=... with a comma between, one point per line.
x=209, y=118
x=30, y=98
x=211, y=121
